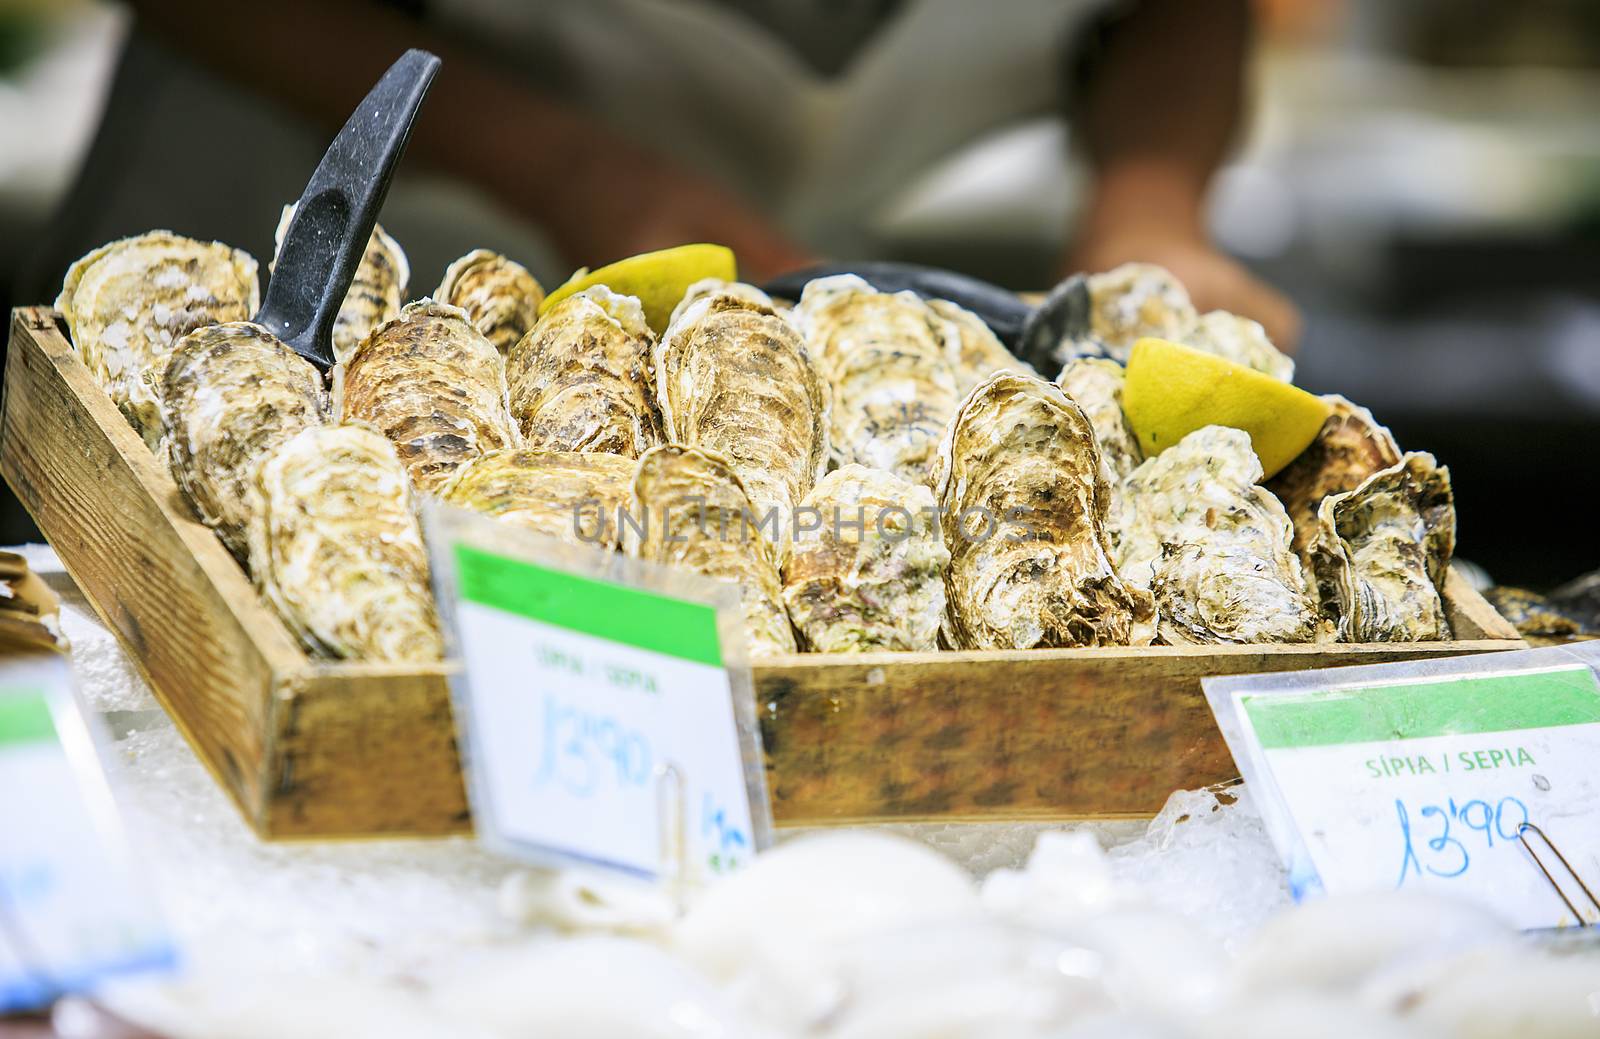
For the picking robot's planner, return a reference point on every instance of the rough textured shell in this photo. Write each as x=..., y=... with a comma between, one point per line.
x=720, y=287
x=569, y=495
x=1381, y=552
x=886, y=359
x=1095, y=385
x=336, y=550
x=1350, y=447
x=1136, y=300
x=690, y=509
x=376, y=291
x=1241, y=341
x=975, y=352
x=869, y=573
x=1213, y=545
x=128, y=303
x=580, y=380
x=435, y=387
x=231, y=394
x=1024, y=495
x=1533, y=614
x=499, y=295
x=734, y=376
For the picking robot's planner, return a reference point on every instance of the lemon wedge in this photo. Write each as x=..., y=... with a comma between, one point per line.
x=658, y=279
x=1173, y=390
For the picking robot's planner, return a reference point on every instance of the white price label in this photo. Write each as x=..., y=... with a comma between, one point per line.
x=604, y=717
x=1429, y=782
x=73, y=911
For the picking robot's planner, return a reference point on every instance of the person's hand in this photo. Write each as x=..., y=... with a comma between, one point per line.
x=1215, y=280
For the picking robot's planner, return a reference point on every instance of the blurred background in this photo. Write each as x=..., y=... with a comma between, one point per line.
x=1421, y=176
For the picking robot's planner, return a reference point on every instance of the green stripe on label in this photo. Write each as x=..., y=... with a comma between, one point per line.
x=628, y=615
x=1482, y=703
x=25, y=717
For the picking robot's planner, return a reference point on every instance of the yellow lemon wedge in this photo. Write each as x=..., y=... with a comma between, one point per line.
x=1173, y=390
x=659, y=279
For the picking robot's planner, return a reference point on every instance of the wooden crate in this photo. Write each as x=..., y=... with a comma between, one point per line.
x=312, y=749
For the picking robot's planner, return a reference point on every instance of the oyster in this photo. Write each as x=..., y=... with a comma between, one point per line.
x=733, y=376
x=569, y=495
x=129, y=302
x=1349, y=447
x=232, y=393
x=336, y=550
x=580, y=380
x=720, y=287
x=1533, y=614
x=429, y=382
x=976, y=352
x=376, y=291
x=1240, y=340
x=886, y=359
x=1020, y=458
x=1381, y=552
x=869, y=575
x=499, y=295
x=689, y=509
x=1195, y=528
x=1095, y=385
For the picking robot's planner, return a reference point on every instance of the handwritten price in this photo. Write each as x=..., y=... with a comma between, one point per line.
x=583, y=750
x=1447, y=854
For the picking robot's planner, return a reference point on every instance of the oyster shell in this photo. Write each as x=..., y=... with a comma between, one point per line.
x=886, y=359
x=976, y=352
x=1132, y=301
x=1020, y=457
x=1349, y=447
x=429, y=382
x=1196, y=529
x=232, y=393
x=1240, y=340
x=689, y=509
x=499, y=295
x=569, y=495
x=376, y=291
x=1533, y=614
x=720, y=287
x=733, y=376
x=1095, y=385
x=870, y=574
x=1382, y=550
x=580, y=380
x=336, y=550
x=128, y=303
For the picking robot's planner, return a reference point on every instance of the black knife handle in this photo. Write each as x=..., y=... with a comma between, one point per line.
x=333, y=220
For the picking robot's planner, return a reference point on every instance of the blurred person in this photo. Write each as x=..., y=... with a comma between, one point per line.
x=776, y=127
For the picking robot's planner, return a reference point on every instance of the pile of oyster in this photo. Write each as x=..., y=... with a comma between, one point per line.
x=874, y=470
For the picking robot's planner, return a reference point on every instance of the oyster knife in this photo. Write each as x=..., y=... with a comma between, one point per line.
x=334, y=217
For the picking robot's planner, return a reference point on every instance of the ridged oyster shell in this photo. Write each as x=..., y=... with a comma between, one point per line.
x=435, y=387
x=580, y=380
x=866, y=570
x=1349, y=447
x=499, y=295
x=1382, y=550
x=1132, y=301
x=129, y=302
x=569, y=495
x=376, y=291
x=1240, y=340
x=1095, y=385
x=1019, y=462
x=733, y=376
x=1196, y=528
x=335, y=547
x=886, y=359
x=689, y=509
x=232, y=393
x=975, y=352
x=721, y=287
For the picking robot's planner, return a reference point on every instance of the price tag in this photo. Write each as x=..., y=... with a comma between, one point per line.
x=603, y=705
x=73, y=910
x=1423, y=776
